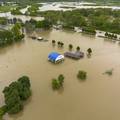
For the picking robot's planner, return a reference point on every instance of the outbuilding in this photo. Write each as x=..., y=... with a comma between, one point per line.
x=55, y=57
x=74, y=55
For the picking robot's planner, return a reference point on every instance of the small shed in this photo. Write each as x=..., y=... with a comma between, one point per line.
x=55, y=57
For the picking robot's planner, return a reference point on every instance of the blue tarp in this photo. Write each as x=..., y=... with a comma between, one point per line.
x=52, y=56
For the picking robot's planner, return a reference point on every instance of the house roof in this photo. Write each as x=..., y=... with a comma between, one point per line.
x=53, y=55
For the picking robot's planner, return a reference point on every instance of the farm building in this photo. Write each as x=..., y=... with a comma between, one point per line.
x=55, y=57
x=75, y=55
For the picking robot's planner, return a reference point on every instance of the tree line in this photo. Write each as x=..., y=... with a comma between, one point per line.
x=88, y=19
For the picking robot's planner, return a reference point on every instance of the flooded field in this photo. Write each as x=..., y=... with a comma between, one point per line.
x=59, y=6
x=68, y=6
x=97, y=98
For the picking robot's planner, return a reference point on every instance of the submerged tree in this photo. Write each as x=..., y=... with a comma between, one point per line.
x=62, y=44
x=78, y=48
x=58, y=43
x=109, y=72
x=70, y=46
x=53, y=41
x=82, y=75
x=55, y=84
x=58, y=83
x=89, y=50
x=61, y=79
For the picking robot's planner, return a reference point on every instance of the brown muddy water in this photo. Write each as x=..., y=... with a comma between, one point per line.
x=97, y=98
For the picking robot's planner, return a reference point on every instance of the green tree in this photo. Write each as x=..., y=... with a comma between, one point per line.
x=78, y=48
x=55, y=84
x=15, y=94
x=58, y=83
x=82, y=75
x=53, y=41
x=62, y=44
x=70, y=46
x=59, y=43
x=61, y=79
x=89, y=50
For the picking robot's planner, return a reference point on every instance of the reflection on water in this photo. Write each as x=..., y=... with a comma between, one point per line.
x=97, y=98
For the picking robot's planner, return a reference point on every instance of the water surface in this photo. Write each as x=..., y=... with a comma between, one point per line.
x=97, y=98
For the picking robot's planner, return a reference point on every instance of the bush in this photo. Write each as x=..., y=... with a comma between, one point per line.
x=82, y=75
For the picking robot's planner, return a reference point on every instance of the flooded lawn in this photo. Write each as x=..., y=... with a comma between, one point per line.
x=97, y=98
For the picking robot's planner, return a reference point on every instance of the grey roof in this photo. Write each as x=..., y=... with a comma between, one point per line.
x=75, y=55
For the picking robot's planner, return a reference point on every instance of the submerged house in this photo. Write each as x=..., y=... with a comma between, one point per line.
x=74, y=55
x=55, y=57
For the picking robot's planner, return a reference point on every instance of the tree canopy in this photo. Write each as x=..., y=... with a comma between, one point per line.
x=15, y=94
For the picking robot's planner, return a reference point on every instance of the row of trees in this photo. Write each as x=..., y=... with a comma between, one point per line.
x=8, y=37
x=70, y=46
x=15, y=95
x=111, y=36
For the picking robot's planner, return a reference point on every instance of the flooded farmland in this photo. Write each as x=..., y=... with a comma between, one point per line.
x=97, y=98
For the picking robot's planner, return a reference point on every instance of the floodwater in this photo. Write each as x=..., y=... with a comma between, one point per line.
x=97, y=98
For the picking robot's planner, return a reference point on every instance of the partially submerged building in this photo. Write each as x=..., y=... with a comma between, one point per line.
x=55, y=57
x=74, y=55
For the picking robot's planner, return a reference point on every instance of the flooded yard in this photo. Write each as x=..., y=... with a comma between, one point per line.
x=97, y=98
